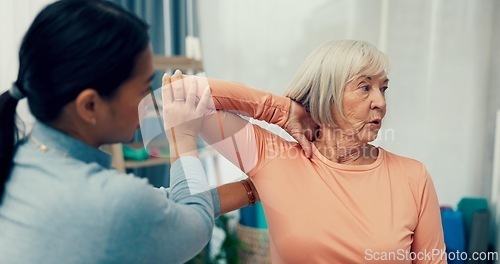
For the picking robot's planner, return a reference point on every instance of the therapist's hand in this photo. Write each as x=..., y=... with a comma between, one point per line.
x=182, y=117
x=301, y=127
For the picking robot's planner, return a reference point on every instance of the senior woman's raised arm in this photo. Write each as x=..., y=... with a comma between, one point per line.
x=235, y=138
x=248, y=101
x=265, y=106
x=232, y=136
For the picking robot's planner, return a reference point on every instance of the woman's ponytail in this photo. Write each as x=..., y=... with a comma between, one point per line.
x=9, y=134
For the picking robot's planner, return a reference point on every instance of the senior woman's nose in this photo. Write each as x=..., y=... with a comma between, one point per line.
x=378, y=100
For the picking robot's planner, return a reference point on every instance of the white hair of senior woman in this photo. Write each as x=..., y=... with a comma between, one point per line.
x=319, y=84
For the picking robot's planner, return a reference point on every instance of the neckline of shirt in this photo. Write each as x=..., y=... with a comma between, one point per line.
x=348, y=167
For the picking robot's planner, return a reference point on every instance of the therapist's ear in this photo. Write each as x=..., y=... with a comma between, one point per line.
x=87, y=105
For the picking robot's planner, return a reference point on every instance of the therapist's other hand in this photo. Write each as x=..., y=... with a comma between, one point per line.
x=301, y=127
x=182, y=117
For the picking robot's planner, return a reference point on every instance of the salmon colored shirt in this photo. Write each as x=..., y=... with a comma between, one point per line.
x=320, y=211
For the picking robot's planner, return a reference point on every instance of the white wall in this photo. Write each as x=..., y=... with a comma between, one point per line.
x=495, y=199
x=493, y=128
x=439, y=100
x=15, y=18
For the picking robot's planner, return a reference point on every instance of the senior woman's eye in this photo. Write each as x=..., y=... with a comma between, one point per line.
x=365, y=88
x=383, y=89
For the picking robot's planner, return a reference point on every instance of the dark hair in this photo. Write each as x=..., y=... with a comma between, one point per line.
x=70, y=46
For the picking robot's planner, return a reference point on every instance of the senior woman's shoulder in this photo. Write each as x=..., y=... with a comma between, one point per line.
x=409, y=165
x=409, y=173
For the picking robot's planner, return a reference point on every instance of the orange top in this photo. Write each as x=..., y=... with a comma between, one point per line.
x=320, y=211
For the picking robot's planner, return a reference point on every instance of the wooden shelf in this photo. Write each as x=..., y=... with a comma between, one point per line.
x=182, y=63
x=152, y=161
x=122, y=164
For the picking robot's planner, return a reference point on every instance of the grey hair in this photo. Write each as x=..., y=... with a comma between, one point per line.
x=321, y=80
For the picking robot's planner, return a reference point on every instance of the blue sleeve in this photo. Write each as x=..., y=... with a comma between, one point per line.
x=167, y=226
x=189, y=170
x=190, y=166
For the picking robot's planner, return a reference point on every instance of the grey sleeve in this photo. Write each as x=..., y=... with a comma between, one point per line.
x=188, y=179
x=191, y=219
x=168, y=226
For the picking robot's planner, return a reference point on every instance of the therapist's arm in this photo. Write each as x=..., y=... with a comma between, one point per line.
x=153, y=225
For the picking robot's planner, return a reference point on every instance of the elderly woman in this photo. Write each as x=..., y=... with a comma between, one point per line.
x=350, y=202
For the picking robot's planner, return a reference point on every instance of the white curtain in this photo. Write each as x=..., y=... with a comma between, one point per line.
x=444, y=88
x=15, y=18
